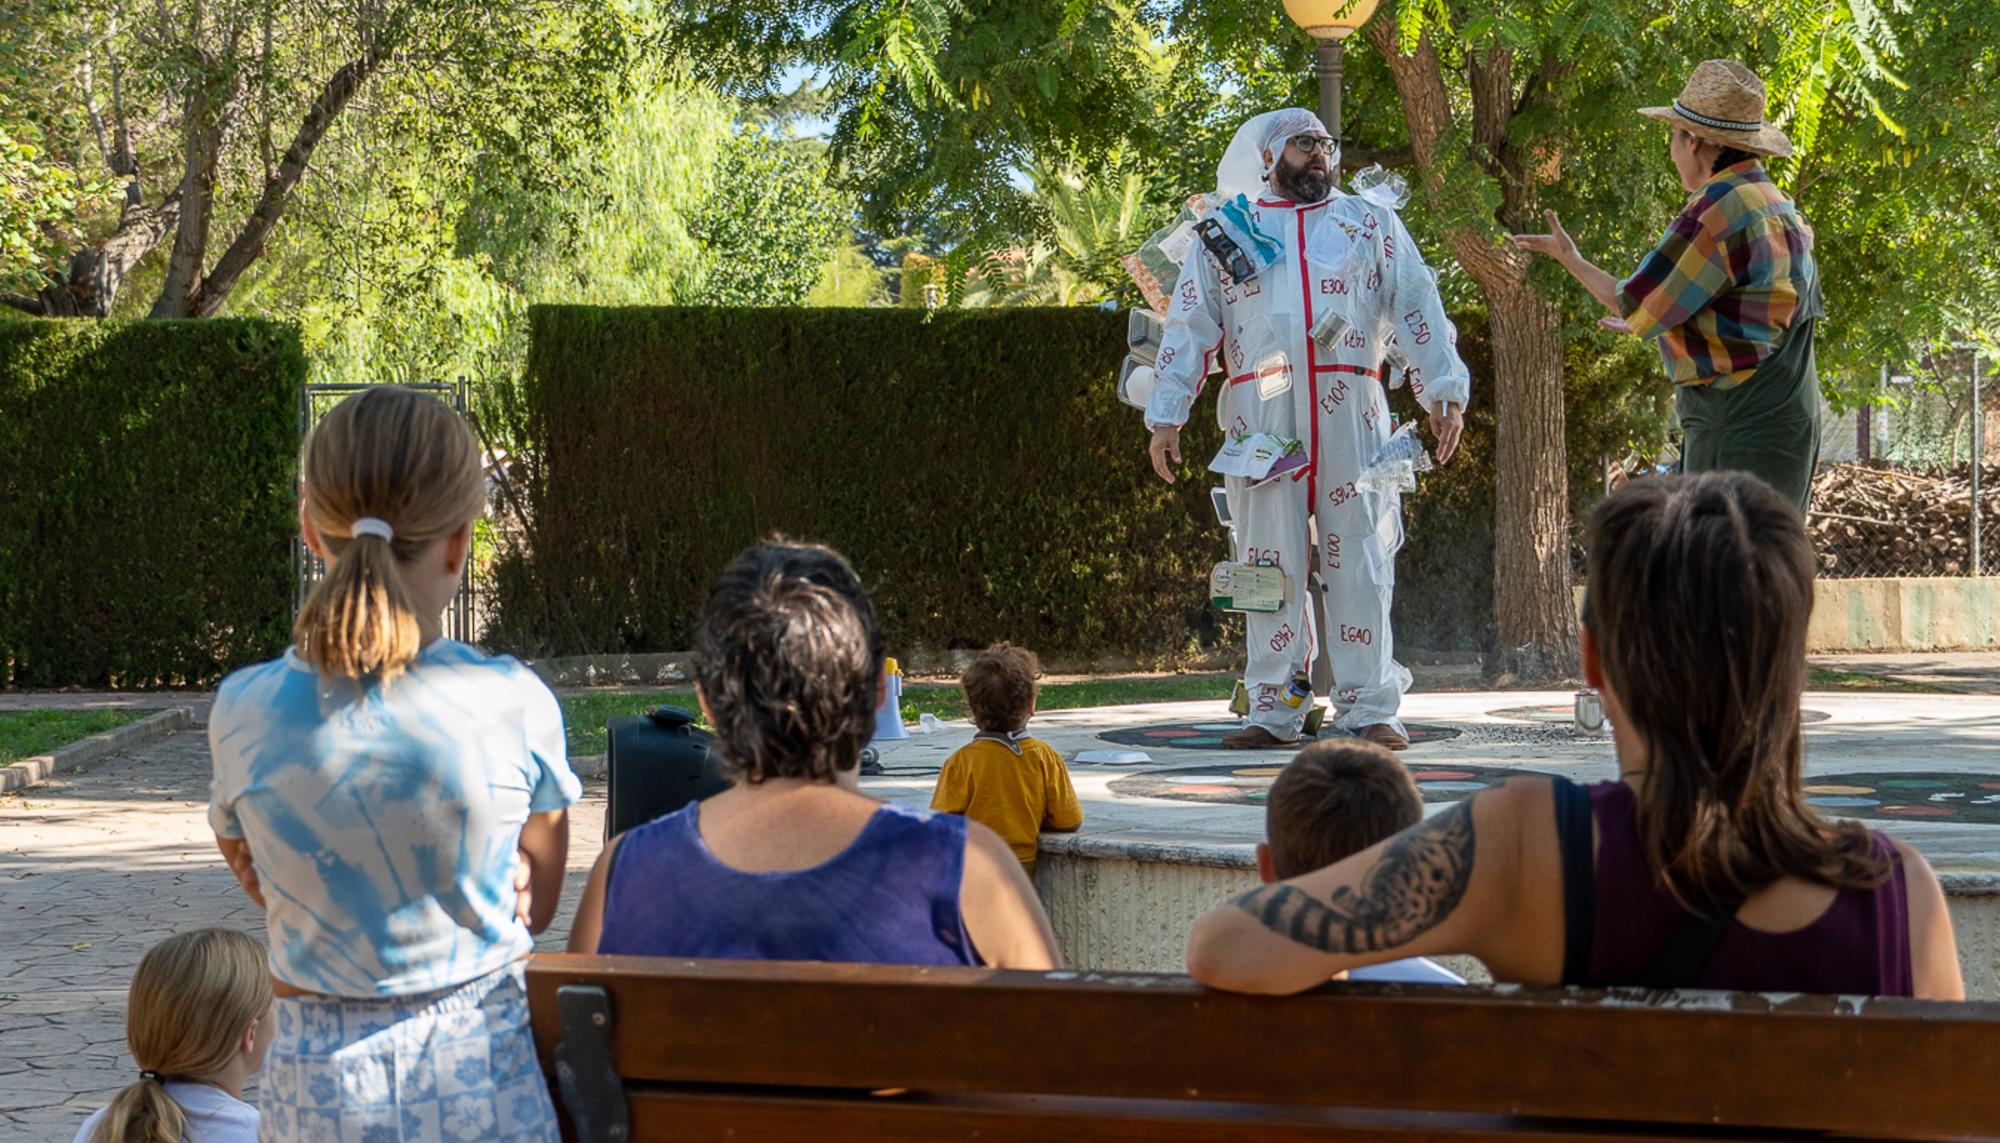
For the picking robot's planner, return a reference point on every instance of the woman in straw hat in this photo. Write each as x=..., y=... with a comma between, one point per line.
x=1731, y=293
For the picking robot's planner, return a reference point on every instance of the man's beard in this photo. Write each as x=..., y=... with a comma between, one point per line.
x=1300, y=183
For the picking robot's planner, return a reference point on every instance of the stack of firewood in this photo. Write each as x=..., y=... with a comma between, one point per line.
x=1876, y=520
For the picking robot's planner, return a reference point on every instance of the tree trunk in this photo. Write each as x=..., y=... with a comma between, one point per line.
x=1535, y=638
x=97, y=272
x=1535, y=624
x=249, y=243
x=200, y=151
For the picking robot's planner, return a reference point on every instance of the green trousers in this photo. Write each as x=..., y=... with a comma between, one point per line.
x=1768, y=426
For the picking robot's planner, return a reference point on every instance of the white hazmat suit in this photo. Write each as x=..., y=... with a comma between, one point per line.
x=1351, y=255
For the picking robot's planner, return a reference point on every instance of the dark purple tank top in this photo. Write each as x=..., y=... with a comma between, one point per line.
x=890, y=897
x=1859, y=946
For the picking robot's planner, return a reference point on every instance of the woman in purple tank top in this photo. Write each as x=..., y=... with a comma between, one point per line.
x=793, y=862
x=1700, y=866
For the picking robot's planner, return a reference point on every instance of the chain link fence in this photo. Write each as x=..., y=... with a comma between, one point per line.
x=1899, y=492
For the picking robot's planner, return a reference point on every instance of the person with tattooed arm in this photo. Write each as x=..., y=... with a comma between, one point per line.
x=1701, y=866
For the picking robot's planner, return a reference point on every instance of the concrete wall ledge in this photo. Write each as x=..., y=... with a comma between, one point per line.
x=1947, y=614
x=1943, y=613
x=1125, y=902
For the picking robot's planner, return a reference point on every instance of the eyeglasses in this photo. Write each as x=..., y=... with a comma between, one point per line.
x=1314, y=144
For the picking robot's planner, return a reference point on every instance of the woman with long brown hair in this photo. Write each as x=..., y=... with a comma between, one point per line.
x=1702, y=865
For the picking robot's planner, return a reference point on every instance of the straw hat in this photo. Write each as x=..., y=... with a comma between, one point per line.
x=1723, y=102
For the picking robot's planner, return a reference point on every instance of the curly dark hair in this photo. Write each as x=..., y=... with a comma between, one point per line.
x=1000, y=688
x=790, y=662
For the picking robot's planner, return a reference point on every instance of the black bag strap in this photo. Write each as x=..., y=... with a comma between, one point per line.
x=1574, y=841
x=1688, y=949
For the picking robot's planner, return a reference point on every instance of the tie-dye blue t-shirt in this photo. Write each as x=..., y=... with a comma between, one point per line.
x=384, y=820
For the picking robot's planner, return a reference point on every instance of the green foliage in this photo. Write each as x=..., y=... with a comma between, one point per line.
x=42, y=211
x=974, y=464
x=413, y=278
x=147, y=499
x=1895, y=105
x=528, y=84
x=765, y=191
x=26, y=733
x=1613, y=408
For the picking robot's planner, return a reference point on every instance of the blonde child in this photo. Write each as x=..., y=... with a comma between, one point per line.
x=397, y=803
x=198, y=1020
x=1015, y=785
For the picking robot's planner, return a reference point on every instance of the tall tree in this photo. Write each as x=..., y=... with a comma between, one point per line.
x=1496, y=111
x=214, y=111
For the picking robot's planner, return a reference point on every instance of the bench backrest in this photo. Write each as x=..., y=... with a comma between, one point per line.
x=1892, y=1068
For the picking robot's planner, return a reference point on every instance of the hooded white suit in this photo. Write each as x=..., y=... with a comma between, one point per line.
x=1352, y=255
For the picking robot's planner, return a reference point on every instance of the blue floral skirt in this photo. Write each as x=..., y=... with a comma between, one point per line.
x=452, y=1065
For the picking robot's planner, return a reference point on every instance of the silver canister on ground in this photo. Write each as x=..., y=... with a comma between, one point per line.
x=1589, y=712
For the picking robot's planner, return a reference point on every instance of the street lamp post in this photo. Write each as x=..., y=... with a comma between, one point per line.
x=1330, y=22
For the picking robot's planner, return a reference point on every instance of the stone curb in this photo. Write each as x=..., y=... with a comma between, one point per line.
x=590, y=766
x=32, y=771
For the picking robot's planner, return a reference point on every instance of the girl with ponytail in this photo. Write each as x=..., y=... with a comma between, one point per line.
x=397, y=803
x=198, y=1019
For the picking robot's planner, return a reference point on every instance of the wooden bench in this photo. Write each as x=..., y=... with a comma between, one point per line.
x=655, y=1049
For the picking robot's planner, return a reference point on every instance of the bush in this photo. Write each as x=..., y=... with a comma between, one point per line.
x=147, y=499
x=975, y=465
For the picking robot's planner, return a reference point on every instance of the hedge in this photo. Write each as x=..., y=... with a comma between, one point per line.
x=975, y=465
x=147, y=499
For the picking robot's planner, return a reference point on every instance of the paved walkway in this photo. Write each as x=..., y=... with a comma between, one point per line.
x=95, y=866
x=100, y=863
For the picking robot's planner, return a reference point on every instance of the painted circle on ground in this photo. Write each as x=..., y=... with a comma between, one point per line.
x=1973, y=799
x=1208, y=736
x=1251, y=785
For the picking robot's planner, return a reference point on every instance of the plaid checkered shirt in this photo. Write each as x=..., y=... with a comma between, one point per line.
x=1721, y=288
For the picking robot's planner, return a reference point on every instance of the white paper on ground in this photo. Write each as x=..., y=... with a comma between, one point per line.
x=1112, y=758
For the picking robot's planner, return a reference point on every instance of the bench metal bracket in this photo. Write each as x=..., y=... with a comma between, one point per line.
x=591, y=1090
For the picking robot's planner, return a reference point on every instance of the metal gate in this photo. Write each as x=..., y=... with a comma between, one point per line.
x=314, y=401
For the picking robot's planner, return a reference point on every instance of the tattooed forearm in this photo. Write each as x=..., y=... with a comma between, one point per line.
x=1419, y=879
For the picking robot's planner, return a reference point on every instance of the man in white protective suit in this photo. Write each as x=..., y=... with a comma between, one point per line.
x=1351, y=255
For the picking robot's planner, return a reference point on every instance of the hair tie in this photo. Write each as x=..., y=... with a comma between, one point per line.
x=372, y=526
x=152, y=1075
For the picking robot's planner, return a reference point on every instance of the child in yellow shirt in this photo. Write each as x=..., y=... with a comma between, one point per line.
x=1015, y=785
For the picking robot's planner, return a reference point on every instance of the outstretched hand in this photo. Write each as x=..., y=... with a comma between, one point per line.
x=1166, y=444
x=1555, y=244
x=1447, y=425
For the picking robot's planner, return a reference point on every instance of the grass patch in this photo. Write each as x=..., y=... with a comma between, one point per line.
x=26, y=733
x=1828, y=679
x=586, y=712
